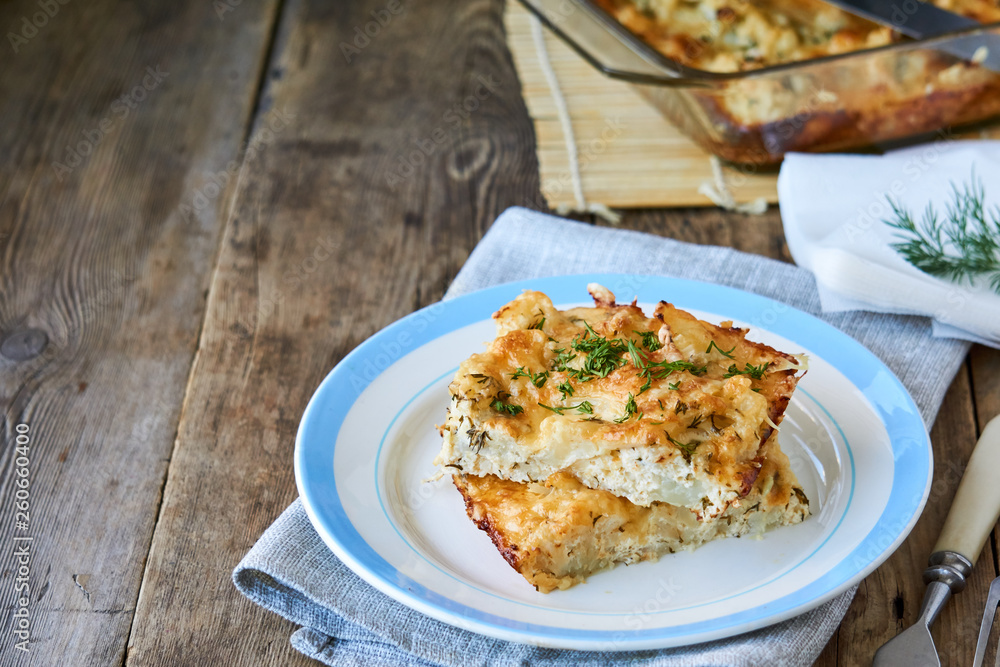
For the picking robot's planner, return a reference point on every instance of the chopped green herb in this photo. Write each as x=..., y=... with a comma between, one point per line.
x=647, y=385
x=637, y=359
x=603, y=355
x=630, y=409
x=500, y=404
x=561, y=362
x=755, y=372
x=686, y=448
x=694, y=422
x=566, y=388
x=585, y=407
x=649, y=340
x=728, y=355
x=680, y=408
x=538, y=379
x=539, y=324
x=674, y=386
x=477, y=438
x=665, y=368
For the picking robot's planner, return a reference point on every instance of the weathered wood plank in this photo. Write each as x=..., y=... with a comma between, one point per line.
x=114, y=114
x=361, y=210
x=985, y=364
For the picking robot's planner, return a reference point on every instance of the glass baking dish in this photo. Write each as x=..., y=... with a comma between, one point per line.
x=870, y=98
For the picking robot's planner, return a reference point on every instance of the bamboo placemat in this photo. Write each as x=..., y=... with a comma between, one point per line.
x=628, y=154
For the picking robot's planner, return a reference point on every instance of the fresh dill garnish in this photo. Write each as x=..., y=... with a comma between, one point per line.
x=694, y=422
x=561, y=362
x=661, y=369
x=538, y=379
x=636, y=355
x=585, y=407
x=500, y=404
x=603, y=355
x=674, y=386
x=660, y=401
x=680, y=408
x=646, y=385
x=686, y=448
x=649, y=340
x=630, y=409
x=566, y=388
x=754, y=372
x=960, y=246
x=728, y=355
x=540, y=323
x=480, y=378
x=477, y=438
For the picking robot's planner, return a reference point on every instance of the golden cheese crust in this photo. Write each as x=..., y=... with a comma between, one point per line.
x=653, y=409
x=558, y=533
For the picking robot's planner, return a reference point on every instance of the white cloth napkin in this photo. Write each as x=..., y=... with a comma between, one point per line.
x=833, y=208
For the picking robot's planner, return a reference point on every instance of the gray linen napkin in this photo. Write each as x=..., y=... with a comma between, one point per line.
x=347, y=622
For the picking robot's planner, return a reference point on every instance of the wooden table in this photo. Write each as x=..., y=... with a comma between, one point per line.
x=203, y=207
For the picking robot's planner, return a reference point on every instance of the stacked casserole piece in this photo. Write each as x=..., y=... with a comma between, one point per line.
x=594, y=436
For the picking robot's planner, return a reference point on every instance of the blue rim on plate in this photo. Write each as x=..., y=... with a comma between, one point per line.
x=329, y=406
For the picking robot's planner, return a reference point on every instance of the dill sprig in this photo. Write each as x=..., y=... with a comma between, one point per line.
x=538, y=379
x=566, y=388
x=603, y=355
x=687, y=448
x=500, y=404
x=728, y=354
x=961, y=245
x=755, y=372
x=650, y=340
x=585, y=407
x=630, y=409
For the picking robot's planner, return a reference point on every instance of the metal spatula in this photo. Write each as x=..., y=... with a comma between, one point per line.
x=970, y=520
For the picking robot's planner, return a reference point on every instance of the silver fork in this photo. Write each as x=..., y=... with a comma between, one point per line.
x=992, y=600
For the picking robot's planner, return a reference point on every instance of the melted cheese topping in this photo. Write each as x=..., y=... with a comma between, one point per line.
x=640, y=407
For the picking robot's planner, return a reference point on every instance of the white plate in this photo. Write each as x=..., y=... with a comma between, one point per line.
x=367, y=439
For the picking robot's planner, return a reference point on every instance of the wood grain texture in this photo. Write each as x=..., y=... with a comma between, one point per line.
x=369, y=177
x=322, y=250
x=113, y=115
